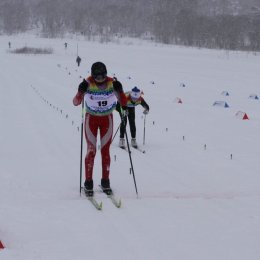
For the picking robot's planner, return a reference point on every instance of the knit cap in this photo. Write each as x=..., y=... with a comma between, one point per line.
x=135, y=93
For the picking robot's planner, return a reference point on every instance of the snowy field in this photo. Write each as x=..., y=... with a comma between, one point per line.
x=198, y=182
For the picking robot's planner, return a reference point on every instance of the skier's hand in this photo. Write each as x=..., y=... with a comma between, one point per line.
x=146, y=111
x=83, y=86
x=124, y=111
x=117, y=86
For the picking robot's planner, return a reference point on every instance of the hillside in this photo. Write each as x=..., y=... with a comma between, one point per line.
x=198, y=181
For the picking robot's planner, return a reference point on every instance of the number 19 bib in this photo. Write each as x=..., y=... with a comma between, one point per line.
x=100, y=103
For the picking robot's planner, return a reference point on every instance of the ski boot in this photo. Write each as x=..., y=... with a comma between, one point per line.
x=134, y=143
x=88, y=188
x=122, y=143
x=105, y=186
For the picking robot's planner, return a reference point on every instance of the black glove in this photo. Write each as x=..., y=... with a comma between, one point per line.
x=146, y=111
x=83, y=86
x=117, y=86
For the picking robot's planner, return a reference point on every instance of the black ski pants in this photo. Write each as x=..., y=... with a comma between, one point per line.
x=131, y=119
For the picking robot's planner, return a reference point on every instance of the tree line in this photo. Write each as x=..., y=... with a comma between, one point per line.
x=182, y=22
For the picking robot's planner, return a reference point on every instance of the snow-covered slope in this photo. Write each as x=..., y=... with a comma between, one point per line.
x=198, y=181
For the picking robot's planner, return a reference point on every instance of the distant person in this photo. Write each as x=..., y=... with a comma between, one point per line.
x=100, y=95
x=134, y=98
x=78, y=60
x=9, y=44
x=66, y=45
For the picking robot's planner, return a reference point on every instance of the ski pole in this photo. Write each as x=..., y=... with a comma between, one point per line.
x=129, y=152
x=115, y=133
x=144, y=130
x=81, y=145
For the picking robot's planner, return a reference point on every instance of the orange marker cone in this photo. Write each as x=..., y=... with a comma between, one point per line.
x=245, y=117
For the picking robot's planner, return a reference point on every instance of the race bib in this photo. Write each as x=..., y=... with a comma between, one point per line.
x=100, y=103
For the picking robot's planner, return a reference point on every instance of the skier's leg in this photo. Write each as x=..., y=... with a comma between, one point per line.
x=131, y=119
x=106, y=132
x=91, y=128
x=123, y=127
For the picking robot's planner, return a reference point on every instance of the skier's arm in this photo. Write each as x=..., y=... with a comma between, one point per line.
x=118, y=88
x=145, y=105
x=118, y=107
x=80, y=94
x=122, y=101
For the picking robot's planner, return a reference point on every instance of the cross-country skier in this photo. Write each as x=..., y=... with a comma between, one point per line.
x=78, y=60
x=134, y=98
x=100, y=94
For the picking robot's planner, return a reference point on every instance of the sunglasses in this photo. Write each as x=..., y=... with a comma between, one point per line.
x=100, y=77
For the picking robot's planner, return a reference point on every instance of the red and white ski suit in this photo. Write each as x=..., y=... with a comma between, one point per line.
x=99, y=102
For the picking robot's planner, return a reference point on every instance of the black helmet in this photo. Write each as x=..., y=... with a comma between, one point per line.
x=98, y=70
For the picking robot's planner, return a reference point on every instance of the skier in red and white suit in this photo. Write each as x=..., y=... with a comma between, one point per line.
x=100, y=95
